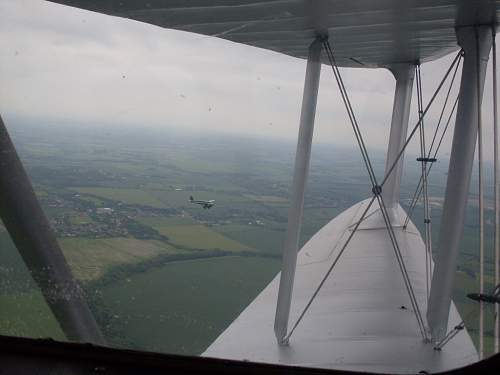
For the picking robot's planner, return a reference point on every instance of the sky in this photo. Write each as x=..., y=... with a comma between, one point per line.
x=63, y=65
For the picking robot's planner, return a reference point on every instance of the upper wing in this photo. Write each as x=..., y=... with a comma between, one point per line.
x=369, y=33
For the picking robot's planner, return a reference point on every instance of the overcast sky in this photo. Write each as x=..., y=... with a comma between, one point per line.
x=62, y=64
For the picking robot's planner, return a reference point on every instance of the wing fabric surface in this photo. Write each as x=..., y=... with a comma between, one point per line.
x=365, y=33
x=362, y=319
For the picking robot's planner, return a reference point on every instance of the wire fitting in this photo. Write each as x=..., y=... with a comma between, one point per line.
x=427, y=160
x=377, y=190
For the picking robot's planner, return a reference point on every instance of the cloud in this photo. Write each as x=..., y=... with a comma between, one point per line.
x=57, y=62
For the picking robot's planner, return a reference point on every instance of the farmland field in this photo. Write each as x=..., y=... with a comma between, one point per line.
x=27, y=315
x=199, y=237
x=90, y=258
x=183, y=306
x=259, y=237
x=167, y=275
x=130, y=196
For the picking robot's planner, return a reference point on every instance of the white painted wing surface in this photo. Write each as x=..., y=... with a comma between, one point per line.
x=357, y=321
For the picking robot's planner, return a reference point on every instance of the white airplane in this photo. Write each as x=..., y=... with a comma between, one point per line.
x=364, y=293
x=205, y=204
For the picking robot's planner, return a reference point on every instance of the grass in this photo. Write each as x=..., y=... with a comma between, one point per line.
x=27, y=315
x=258, y=237
x=90, y=258
x=199, y=237
x=183, y=306
x=129, y=196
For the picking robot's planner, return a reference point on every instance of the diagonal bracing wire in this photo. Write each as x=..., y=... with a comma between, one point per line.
x=423, y=177
x=455, y=330
x=418, y=190
x=415, y=128
x=460, y=326
x=376, y=189
x=445, y=102
x=336, y=260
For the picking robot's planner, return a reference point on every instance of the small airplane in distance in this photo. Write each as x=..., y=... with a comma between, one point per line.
x=204, y=204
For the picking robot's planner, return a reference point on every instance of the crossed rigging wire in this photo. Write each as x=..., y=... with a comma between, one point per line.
x=455, y=330
x=424, y=160
x=376, y=190
x=418, y=190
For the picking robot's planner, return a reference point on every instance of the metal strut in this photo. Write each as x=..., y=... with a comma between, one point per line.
x=455, y=331
x=424, y=160
x=481, y=199
x=415, y=128
x=497, y=186
x=459, y=173
x=281, y=321
x=36, y=242
x=404, y=75
x=377, y=190
x=492, y=298
x=327, y=274
x=302, y=158
x=418, y=189
x=394, y=165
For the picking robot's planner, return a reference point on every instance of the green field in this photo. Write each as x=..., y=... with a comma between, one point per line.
x=27, y=315
x=14, y=275
x=199, y=237
x=153, y=297
x=90, y=258
x=130, y=196
x=183, y=306
x=258, y=237
x=23, y=311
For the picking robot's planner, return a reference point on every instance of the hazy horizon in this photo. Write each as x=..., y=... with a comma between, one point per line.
x=63, y=64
